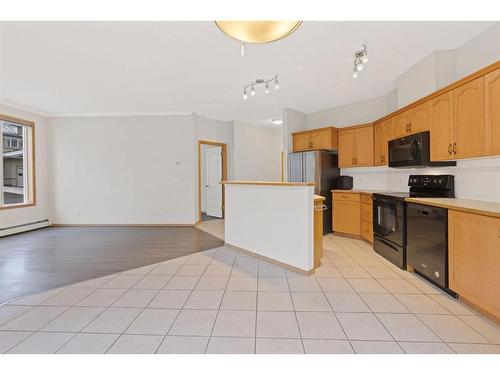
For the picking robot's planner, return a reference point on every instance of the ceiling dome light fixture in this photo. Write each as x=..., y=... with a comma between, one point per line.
x=257, y=32
x=277, y=121
x=258, y=82
x=360, y=59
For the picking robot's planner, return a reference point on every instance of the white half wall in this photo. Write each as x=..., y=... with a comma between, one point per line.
x=272, y=221
x=257, y=152
x=123, y=170
x=41, y=211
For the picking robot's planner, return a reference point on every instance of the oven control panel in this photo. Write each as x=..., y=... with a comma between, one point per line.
x=439, y=181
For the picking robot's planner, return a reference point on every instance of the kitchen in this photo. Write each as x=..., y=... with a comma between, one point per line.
x=422, y=227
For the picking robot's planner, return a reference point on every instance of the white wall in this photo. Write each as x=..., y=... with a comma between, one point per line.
x=354, y=114
x=123, y=170
x=480, y=51
x=417, y=82
x=257, y=152
x=19, y=216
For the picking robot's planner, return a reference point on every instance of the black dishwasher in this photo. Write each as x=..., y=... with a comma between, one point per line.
x=427, y=242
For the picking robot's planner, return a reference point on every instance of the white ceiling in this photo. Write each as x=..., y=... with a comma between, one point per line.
x=89, y=68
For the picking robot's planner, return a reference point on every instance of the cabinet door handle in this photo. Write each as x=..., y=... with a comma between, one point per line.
x=409, y=128
x=356, y=161
x=353, y=161
x=455, y=148
x=449, y=149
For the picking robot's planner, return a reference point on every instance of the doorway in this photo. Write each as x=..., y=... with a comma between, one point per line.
x=212, y=169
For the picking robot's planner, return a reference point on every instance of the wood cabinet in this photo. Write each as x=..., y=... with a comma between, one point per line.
x=442, y=127
x=316, y=139
x=468, y=120
x=346, y=217
x=474, y=259
x=356, y=147
x=346, y=213
x=367, y=217
x=346, y=148
x=413, y=120
x=383, y=132
x=353, y=214
x=318, y=230
x=492, y=112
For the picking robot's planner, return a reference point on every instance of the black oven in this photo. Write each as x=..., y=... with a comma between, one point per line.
x=389, y=224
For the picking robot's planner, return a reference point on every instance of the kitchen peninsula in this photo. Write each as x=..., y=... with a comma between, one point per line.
x=276, y=221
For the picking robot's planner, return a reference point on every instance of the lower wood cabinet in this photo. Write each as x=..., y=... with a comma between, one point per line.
x=353, y=214
x=474, y=259
x=346, y=213
x=367, y=217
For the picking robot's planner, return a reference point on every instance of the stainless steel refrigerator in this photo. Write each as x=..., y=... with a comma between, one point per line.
x=320, y=167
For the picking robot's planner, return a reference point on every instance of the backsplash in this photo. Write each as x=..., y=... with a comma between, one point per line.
x=474, y=179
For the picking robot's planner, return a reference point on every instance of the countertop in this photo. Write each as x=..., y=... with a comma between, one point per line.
x=319, y=198
x=359, y=191
x=465, y=205
x=268, y=183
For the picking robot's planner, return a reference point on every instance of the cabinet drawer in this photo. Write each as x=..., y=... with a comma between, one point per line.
x=367, y=212
x=350, y=197
x=366, y=198
x=367, y=230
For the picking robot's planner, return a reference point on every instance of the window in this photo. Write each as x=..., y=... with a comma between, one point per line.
x=17, y=162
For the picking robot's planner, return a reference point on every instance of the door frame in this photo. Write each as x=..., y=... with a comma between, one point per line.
x=224, y=173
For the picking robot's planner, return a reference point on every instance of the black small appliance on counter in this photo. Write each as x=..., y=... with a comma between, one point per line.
x=344, y=182
x=390, y=234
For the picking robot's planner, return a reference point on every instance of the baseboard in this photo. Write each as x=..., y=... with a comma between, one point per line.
x=270, y=260
x=7, y=231
x=122, y=225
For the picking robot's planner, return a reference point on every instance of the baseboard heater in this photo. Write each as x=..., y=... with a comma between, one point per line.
x=6, y=231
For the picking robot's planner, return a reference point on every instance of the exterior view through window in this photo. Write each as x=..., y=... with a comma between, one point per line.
x=17, y=152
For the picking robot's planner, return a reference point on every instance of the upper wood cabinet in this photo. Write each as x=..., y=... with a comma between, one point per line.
x=363, y=146
x=474, y=259
x=411, y=121
x=383, y=132
x=442, y=127
x=316, y=139
x=492, y=112
x=356, y=147
x=468, y=120
x=346, y=148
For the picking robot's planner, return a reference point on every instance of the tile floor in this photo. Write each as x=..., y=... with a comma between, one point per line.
x=223, y=301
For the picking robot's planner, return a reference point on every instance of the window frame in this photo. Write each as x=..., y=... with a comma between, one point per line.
x=30, y=176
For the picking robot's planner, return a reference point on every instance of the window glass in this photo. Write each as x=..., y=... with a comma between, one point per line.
x=14, y=189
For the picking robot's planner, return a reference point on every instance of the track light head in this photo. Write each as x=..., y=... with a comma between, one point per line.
x=267, y=88
x=252, y=91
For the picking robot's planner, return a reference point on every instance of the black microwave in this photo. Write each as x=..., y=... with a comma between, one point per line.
x=413, y=151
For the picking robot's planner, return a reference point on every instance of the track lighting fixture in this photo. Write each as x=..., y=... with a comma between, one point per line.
x=258, y=82
x=360, y=59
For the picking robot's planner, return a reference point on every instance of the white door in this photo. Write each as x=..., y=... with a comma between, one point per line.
x=214, y=177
